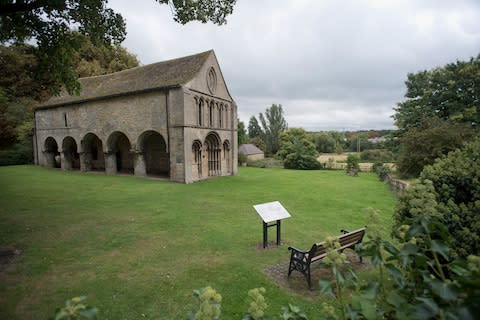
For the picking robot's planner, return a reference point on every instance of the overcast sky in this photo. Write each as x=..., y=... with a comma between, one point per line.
x=332, y=65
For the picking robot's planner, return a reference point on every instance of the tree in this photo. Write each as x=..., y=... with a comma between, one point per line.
x=433, y=138
x=450, y=189
x=324, y=142
x=93, y=60
x=254, y=129
x=451, y=93
x=20, y=89
x=273, y=124
x=242, y=134
x=48, y=24
x=297, y=151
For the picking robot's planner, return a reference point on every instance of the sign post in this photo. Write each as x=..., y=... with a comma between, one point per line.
x=271, y=213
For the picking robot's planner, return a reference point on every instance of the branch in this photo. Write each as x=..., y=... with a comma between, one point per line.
x=21, y=6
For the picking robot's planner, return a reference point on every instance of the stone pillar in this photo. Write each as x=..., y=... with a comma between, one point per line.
x=140, y=169
x=85, y=161
x=110, y=163
x=65, y=161
x=49, y=159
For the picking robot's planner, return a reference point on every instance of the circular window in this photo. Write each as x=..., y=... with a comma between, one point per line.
x=211, y=80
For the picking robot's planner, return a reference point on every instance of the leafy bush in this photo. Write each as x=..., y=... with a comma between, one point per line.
x=451, y=187
x=74, y=309
x=300, y=161
x=375, y=155
x=19, y=154
x=353, y=165
x=381, y=170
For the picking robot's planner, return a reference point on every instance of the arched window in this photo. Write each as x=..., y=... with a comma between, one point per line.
x=210, y=114
x=227, y=120
x=197, y=156
x=220, y=115
x=200, y=112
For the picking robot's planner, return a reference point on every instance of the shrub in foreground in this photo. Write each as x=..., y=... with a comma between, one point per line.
x=451, y=189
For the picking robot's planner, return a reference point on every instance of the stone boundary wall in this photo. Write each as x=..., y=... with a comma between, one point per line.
x=397, y=186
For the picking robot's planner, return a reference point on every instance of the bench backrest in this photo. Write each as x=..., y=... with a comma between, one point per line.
x=347, y=240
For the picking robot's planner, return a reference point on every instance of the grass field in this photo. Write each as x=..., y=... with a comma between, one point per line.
x=138, y=247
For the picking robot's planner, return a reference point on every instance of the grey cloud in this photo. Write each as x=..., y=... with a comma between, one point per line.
x=336, y=64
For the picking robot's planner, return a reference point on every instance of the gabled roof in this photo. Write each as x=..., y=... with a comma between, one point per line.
x=158, y=75
x=249, y=149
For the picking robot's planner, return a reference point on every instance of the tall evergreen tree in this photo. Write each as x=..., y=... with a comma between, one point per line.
x=273, y=124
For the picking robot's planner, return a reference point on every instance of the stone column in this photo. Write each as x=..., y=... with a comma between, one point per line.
x=110, y=163
x=140, y=169
x=65, y=161
x=85, y=161
x=49, y=158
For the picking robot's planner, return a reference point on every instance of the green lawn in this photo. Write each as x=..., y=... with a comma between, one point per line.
x=138, y=247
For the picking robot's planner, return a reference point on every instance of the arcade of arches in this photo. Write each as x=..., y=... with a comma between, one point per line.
x=150, y=157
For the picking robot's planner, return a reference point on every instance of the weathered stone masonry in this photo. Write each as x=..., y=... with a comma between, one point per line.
x=174, y=119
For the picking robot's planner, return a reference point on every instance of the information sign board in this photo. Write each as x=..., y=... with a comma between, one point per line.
x=271, y=211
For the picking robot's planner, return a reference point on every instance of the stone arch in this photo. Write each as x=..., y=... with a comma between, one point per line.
x=226, y=155
x=51, y=153
x=212, y=145
x=70, y=156
x=93, y=156
x=197, y=159
x=154, y=150
x=120, y=151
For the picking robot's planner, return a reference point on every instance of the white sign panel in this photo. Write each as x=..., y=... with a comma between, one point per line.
x=271, y=211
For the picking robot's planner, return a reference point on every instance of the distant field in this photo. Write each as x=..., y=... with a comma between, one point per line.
x=138, y=247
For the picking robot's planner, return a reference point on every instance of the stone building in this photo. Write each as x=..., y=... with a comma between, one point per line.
x=251, y=152
x=174, y=119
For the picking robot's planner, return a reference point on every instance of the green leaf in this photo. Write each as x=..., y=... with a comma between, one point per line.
x=326, y=287
x=446, y=291
x=440, y=247
x=427, y=309
x=368, y=309
x=89, y=313
x=371, y=290
x=395, y=299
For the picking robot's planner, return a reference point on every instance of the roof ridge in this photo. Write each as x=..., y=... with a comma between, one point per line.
x=147, y=65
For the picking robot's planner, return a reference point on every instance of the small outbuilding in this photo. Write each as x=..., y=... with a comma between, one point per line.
x=174, y=119
x=251, y=151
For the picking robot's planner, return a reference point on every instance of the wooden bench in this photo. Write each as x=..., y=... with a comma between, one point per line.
x=301, y=260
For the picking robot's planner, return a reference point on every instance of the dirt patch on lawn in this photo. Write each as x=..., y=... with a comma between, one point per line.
x=297, y=282
x=8, y=255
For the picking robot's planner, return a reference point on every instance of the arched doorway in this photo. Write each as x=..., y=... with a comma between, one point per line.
x=94, y=158
x=154, y=149
x=212, y=143
x=52, y=156
x=120, y=147
x=71, y=158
